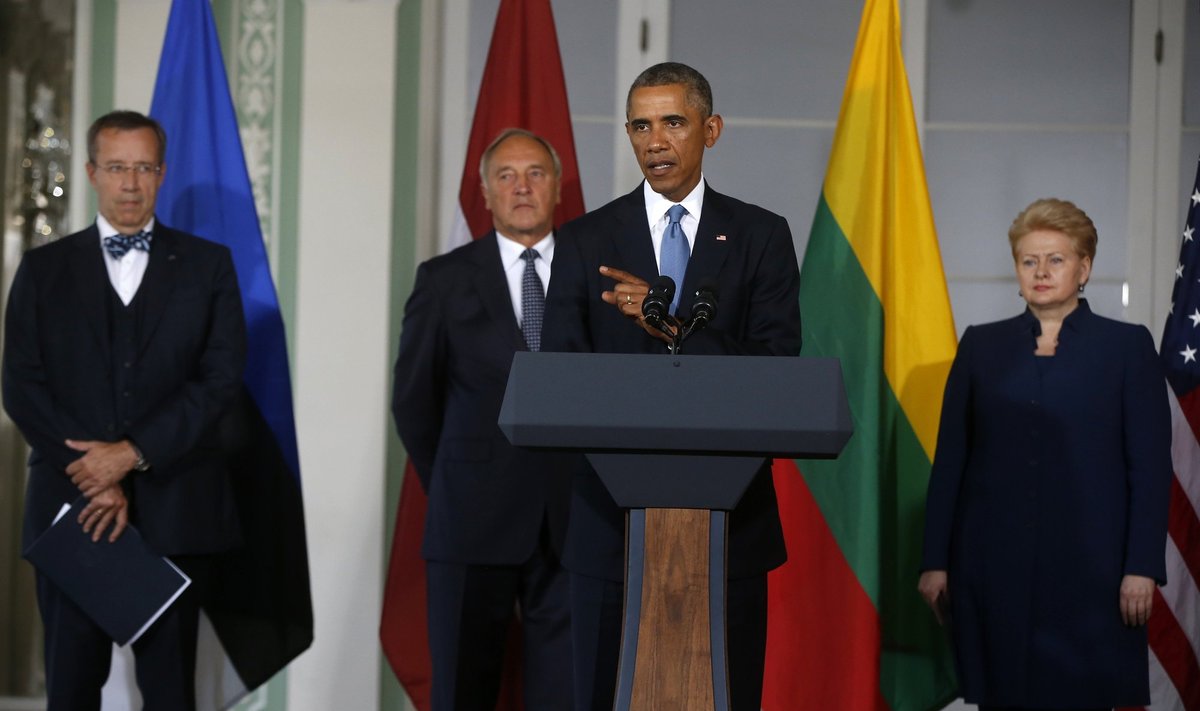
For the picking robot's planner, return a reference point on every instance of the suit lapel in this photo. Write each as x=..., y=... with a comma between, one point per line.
x=91, y=283
x=493, y=291
x=713, y=239
x=633, y=238
x=159, y=281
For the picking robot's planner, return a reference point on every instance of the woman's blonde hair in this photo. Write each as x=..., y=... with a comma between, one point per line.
x=1060, y=216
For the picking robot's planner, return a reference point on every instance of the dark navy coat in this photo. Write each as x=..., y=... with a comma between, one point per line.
x=59, y=362
x=1050, y=483
x=487, y=498
x=749, y=253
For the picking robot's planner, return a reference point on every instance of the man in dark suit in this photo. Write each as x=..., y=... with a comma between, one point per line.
x=124, y=345
x=673, y=223
x=497, y=514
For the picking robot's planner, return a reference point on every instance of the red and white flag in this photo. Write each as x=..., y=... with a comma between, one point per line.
x=1174, y=625
x=522, y=87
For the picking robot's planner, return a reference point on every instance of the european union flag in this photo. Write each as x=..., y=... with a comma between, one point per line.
x=260, y=606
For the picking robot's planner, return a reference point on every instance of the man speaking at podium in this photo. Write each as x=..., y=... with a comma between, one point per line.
x=672, y=224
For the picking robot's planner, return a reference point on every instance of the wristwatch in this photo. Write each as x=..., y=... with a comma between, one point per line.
x=141, y=464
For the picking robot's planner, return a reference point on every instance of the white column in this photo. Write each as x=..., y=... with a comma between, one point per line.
x=1169, y=196
x=453, y=123
x=138, y=40
x=341, y=368
x=643, y=40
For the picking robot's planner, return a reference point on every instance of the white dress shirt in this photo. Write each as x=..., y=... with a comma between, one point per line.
x=514, y=266
x=656, y=216
x=125, y=274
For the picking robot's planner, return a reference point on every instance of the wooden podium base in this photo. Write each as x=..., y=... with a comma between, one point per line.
x=673, y=639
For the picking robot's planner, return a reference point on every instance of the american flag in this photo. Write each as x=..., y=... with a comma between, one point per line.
x=1174, y=626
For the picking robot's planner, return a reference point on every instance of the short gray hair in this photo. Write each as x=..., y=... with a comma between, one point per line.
x=510, y=133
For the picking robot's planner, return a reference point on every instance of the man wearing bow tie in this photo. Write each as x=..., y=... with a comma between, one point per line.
x=124, y=346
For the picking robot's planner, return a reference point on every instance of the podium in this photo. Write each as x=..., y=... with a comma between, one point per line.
x=676, y=440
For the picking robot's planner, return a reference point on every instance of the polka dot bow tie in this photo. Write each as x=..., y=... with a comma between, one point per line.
x=118, y=245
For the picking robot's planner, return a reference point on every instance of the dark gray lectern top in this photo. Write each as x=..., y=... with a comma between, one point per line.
x=735, y=405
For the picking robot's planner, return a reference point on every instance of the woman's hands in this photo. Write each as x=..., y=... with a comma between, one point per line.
x=1137, y=597
x=934, y=586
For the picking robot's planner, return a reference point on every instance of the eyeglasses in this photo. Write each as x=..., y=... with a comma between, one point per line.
x=141, y=170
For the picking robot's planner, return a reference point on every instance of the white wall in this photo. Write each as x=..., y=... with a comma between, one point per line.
x=341, y=351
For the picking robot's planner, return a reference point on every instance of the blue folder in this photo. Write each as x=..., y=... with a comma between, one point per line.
x=123, y=586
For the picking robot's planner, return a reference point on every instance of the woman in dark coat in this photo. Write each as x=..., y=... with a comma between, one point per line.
x=1046, y=518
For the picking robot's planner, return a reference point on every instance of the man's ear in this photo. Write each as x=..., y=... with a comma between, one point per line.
x=712, y=129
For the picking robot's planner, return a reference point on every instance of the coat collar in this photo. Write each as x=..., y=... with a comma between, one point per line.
x=86, y=262
x=1074, y=321
x=632, y=239
x=714, y=236
x=159, y=281
x=492, y=286
x=1074, y=325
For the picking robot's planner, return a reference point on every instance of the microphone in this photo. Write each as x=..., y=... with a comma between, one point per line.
x=704, y=304
x=656, y=306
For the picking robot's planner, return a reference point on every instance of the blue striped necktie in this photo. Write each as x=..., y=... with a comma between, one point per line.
x=674, y=252
x=533, y=301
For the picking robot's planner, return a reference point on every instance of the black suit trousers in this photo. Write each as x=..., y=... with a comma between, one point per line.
x=471, y=610
x=78, y=654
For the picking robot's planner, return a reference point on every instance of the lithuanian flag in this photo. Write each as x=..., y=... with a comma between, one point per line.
x=848, y=629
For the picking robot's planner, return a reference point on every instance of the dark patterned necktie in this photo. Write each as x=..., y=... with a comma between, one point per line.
x=118, y=245
x=533, y=301
x=674, y=252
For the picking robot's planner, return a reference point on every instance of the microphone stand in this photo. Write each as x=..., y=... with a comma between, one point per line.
x=676, y=338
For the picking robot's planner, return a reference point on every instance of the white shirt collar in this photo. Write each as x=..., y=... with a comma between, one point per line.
x=511, y=250
x=657, y=205
x=107, y=230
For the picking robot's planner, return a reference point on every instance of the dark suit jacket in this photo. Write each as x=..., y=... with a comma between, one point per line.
x=1050, y=483
x=57, y=382
x=487, y=499
x=749, y=252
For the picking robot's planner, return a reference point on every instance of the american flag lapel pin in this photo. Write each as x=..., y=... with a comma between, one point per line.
x=720, y=238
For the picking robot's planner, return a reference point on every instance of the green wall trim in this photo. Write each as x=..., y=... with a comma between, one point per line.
x=405, y=178
x=103, y=72
x=104, y=33
x=224, y=12
x=288, y=180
